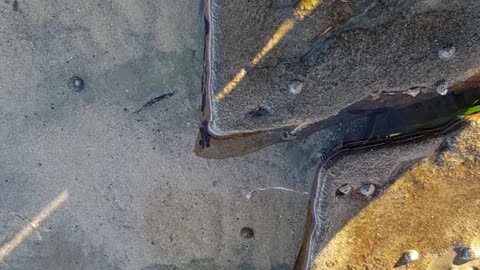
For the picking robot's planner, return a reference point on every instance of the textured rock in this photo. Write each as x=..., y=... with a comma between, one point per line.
x=425, y=204
x=362, y=47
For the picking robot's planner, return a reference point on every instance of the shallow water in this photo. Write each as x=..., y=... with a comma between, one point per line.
x=389, y=118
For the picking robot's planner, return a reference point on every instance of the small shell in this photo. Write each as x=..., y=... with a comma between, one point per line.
x=407, y=257
x=295, y=87
x=76, y=83
x=367, y=190
x=410, y=256
x=259, y=111
x=288, y=136
x=468, y=254
x=344, y=190
x=442, y=88
x=447, y=53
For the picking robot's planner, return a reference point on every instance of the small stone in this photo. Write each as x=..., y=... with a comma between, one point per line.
x=442, y=88
x=76, y=83
x=367, y=190
x=247, y=233
x=447, y=53
x=295, y=87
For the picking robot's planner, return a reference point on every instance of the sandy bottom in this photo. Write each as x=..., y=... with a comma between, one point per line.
x=106, y=177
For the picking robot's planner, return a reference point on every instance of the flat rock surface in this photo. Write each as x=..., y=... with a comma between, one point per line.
x=106, y=177
x=341, y=52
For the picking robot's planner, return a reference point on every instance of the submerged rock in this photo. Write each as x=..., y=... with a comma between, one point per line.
x=426, y=185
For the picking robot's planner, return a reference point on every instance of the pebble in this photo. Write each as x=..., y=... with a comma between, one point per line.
x=76, y=83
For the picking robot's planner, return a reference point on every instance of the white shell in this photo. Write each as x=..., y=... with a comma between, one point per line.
x=345, y=189
x=411, y=255
x=295, y=87
x=442, y=88
x=367, y=190
x=447, y=53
